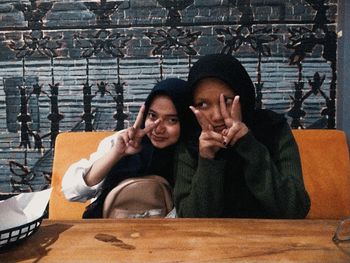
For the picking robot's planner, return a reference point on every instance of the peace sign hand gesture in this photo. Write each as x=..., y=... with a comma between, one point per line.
x=235, y=128
x=128, y=141
x=209, y=141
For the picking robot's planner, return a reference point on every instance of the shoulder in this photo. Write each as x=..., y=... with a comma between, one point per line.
x=270, y=127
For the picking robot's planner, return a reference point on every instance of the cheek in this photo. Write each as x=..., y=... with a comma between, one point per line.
x=174, y=131
x=207, y=113
x=148, y=122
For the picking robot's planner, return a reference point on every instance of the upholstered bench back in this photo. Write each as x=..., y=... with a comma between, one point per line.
x=70, y=147
x=324, y=157
x=326, y=170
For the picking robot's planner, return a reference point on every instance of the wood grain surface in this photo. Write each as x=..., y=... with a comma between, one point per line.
x=181, y=240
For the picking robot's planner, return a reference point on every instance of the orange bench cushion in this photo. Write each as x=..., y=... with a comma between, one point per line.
x=324, y=158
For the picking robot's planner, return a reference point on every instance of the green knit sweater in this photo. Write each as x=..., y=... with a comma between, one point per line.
x=249, y=180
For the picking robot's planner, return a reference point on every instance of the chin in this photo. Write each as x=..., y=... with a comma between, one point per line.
x=159, y=145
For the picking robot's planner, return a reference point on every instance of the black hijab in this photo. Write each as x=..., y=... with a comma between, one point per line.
x=179, y=94
x=262, y=123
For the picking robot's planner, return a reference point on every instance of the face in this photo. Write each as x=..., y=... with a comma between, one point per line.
x=168, y=131
x=207, y=99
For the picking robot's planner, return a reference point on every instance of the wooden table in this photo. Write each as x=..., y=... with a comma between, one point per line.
x=181, y=240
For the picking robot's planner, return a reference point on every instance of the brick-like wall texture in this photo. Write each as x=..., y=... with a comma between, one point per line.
x=88, y=65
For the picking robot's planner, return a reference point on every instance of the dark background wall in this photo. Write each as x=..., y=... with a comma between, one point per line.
x=88, y=65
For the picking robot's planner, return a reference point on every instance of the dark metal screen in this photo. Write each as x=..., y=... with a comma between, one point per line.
x=87, y=65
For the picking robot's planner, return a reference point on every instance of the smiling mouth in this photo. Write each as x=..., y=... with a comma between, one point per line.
x=158, y=139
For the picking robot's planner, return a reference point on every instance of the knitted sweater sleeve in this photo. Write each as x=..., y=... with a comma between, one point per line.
x=275, y=179
x=198, y=188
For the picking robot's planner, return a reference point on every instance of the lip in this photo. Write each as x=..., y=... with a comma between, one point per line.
x=157, y=138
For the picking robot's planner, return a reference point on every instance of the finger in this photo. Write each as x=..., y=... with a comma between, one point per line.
x=229, y=138
x=151, y=126
x=236, y=113
x=224, y=132
x=123, y=138
x=212, y=135
x=208, y=140
x=131, y=133
x=134, y=143
x=235, y=133
x=202, y=120
x=212, y=144
x=223, y=107
x=139, y=118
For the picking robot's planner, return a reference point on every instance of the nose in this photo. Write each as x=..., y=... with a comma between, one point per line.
x=160, y=128
x=216, y=115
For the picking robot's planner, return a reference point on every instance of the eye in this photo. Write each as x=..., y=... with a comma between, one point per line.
x=228, y=100
x=173, y=120
x=201, y=105
x=152, y=116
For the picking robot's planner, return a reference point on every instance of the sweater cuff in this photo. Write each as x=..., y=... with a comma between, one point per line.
x=246, y=143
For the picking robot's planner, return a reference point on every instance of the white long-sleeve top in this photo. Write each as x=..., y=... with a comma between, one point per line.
x=74, y=186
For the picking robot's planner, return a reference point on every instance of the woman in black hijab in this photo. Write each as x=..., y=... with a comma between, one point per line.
x=143, y=149
x=238, y=161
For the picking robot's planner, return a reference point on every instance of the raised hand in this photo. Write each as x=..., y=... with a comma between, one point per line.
x=209, y=141
x=235, y=128
x=128, y=141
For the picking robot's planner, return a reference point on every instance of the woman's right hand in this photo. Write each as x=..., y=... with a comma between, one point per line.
x=128, y=141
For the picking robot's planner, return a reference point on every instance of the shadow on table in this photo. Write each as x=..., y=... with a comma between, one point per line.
x=36, y=246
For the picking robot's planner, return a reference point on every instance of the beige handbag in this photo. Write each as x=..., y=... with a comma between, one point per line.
x=139, y=197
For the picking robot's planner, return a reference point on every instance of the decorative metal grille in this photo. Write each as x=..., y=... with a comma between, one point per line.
x=95, y=62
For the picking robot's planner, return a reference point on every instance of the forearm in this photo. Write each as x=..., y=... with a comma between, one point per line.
x=101, y=167
x=74, y=186
x=275, y=179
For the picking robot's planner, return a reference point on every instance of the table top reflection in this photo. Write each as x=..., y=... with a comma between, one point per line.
x=181, y=240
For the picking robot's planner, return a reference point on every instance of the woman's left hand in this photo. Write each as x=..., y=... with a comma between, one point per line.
x=235, y=128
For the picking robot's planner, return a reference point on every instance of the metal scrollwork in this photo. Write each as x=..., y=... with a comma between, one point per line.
x=111, y=44
x=36, y=41
x=303, y=41
x=103, y=41
x=35, y=12
x=245, y=34
x=103, y=10
x=174, y=7
x=173, y=39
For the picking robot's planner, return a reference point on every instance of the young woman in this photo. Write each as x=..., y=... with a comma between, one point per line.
x=241, y=161
x=145, y=148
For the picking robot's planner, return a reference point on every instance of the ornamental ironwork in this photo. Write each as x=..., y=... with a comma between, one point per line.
x=101, y=34
x=173, y=39
x=35, y=12
x=111, y=43
x=303, y=40
x=103, y=10
x=36, y=41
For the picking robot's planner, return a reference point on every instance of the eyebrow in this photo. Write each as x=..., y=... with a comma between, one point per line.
x=168, y=115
